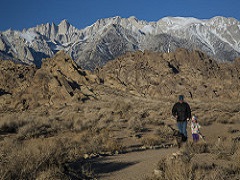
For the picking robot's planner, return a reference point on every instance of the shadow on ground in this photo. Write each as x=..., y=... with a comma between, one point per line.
x=107, y=165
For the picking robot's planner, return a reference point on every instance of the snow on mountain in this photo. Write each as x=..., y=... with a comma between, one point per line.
x=28, y=36
x=219, y=37
x=181, y=21
x=148, y=29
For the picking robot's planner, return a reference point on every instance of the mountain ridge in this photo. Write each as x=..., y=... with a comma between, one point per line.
x=108, y=38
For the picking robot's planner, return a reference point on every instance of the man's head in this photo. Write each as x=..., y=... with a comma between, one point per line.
x=181, y=98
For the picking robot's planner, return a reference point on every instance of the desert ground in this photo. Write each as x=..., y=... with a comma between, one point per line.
x=63, y=122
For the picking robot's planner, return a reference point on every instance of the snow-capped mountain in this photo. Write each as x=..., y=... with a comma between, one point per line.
x=108, y=38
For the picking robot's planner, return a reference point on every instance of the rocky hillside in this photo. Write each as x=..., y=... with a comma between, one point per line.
x=164, y=76
x=59, y=81
x=147, y=74
x=108, y=38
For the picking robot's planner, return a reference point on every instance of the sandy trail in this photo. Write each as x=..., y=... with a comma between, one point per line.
x=141, y=164
x=129, y=166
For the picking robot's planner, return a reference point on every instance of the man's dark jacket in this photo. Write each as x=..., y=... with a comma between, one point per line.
x=182, y=111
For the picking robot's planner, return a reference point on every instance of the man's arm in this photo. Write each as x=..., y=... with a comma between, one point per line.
x=174, y=110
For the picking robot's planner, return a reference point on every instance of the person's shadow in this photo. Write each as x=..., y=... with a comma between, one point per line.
x=104, y=165
x=99, y=167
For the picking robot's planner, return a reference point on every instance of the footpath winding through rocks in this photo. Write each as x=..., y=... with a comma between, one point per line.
x=129, y=166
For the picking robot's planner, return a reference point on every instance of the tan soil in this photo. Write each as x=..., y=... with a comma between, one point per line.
x=135, y=165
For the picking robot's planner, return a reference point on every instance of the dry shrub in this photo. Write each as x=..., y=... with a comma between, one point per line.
x=122, y=105
x=155, y=122
x=236, y=157
x=173, y=170
x=198, y=161
x=233, y=130
x=51, y=173
x=222, y=148
x=11, y=124
x=95, y=141
x=41, y=127
x=206, y=118
x=179, y=169
x=153, y=140
x=235, y=118
x=196, y=148
x=33, y=126
x=225, y=121
x=220, y=106
x=79, y=125
x=9, y=127
x=145, y=114
x=26, y=160
x=135, y=124
x=36, y=130
x=165, y=132
x=224, y=118
x=216, y=174
x=225, y=113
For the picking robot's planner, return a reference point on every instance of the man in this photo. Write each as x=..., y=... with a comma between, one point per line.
x=182, y=112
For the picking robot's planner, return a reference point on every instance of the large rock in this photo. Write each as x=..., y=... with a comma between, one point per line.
x=58, y=82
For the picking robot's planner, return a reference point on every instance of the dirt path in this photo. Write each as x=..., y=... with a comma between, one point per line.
x=129, y=166
x=141, y=164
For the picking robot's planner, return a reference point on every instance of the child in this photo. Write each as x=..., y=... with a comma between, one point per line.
x=195, y=129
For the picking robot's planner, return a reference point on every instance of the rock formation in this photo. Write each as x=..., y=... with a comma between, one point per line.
x=164, y=76
x=154, y=75
x=59, y=81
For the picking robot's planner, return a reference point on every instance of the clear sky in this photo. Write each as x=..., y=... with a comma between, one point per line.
x=19, y=14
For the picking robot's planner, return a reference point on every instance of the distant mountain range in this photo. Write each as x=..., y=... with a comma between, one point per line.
x=106, y=39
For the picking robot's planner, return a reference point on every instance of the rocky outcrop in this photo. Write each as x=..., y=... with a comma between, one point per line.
x=164, y=76
x=58, y=82
x=15, y=77
x=161, y=76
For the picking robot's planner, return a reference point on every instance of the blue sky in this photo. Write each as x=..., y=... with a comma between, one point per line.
x=19, y=14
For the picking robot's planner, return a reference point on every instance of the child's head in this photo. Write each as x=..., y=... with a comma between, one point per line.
x=194, y=118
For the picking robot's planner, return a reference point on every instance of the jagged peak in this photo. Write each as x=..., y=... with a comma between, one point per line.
x=116, y=17
x=218, y=18
x=53, y=24
x=183, y=21
x=223, y=20
x=64, y=22
x=9, y=30
x=64, y=27
x=133, y=18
